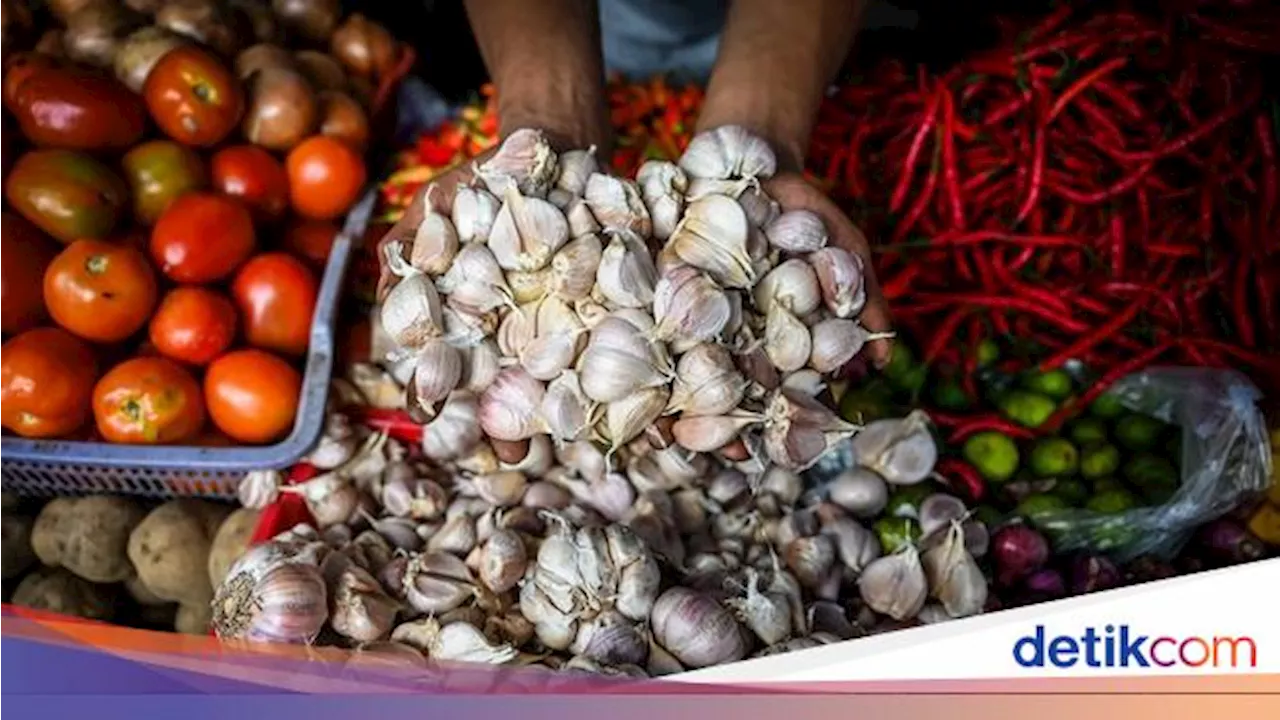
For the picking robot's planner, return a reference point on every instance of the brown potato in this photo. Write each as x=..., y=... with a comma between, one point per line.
x=58, y=590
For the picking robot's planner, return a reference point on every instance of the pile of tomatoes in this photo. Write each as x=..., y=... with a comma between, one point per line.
x=160, y=272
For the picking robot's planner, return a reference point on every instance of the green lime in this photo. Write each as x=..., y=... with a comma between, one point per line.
x=1038, y=505
x=1112, y=502
x=900, y=361
x=905, y=500
x=1107, y=407
x=988, y=352
x=1099, y=460
x=895, y=532
x=949, y=395
x=1087, y=430
x=911, y=382
x=1138, y=432
x=1054, y=457
x=994, y=454
x=1072, y=492
x=1027, y=408
x=1147, y=470
x=872, y=401
x=1052, y=383
x=1106, y=484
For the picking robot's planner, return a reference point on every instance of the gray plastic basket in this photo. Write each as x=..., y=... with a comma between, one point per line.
x=58, y=467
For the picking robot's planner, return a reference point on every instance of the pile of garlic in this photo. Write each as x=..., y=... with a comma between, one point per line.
x=554, y=299
x=677, y=561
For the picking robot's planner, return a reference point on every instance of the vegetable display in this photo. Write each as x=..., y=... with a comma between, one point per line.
x=140, y=246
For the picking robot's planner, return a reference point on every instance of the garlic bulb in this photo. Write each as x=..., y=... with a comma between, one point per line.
x=411, y=311
x=900, y=451
x=576, y=167
x=525, y=160
x=726, y=152
x=712, y=236
x=437, y=582
x=527, y=232
x=474, y=211
x=895, y=585
x=662, y=186
x=271, y=599
x=626, y=275
x=455, y=430
x=619, y=361
x=791, y=285
x=707, y=382
x=696, y=629
x=509, y=406
x=840, y=276
x=797, y=231
x=688, y=306
x=616, y=204
x=954, y=577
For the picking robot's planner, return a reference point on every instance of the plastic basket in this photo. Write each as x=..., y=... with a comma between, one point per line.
x=60, y=467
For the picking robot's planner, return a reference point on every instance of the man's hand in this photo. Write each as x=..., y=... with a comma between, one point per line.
x=794, y=192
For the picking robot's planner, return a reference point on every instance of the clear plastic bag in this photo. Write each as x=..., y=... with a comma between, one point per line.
x=1226, y=457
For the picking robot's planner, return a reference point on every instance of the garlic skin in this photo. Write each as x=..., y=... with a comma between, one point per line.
x=437, y=373
x=475, y=282
x=616, y=204
x=696, y=629
x=797, y=231
x=434, y=244
x=259, y=488
x=474, y=211
x=840, y=276
x=792, y=286
x=410, y=313
x=455, y=430
x=567, y=412
x=527, y=232
x=689, y=307
x=900, y=451
x=270, y=598
x=509, y=406
x=573, y=269
x=712, y=236
x=524, y=161
x=503, y=559
x=576, y=167
x=726, y=152
x=625, y=419
x=787, y=342
x=895, y=585
x=626, y=275
x=663, y=186
x=359, y=609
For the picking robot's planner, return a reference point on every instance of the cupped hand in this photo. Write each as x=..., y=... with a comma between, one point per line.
x=794, y=192
x=439, y=193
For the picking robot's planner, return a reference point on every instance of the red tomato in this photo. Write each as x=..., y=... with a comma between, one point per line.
x=46, y=383
x=193, y=325
x=148, y=401
x=252, y=395
x=99, y=290
x=252, y=175
x=311, y=240
x=325, y=177
x=276, y=294
x=76, y=108
x=25, y=252
x=193, y=97
x=202, y=237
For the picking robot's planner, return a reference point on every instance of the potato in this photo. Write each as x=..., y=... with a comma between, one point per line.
x=193, y=619
x=58, y=590
x=87, y=536
x=170, y=550
x=230, y=542
x=18, y=555
x=141, y=594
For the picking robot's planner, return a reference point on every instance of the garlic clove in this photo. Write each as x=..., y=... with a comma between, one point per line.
x=475, y=282
x=860, y=491
x=581, y=221
x=728, y=151
x=696, y=629
x=663, y=186
x=711, y=432
x=617, y=205
x=566, y=410
x=359, y=608
x=527, y=232
x=706, y=382
x=797, y=231
x=525, y=159
x=455, y=430
x=793, y=285
x=689, y=306
x=464, y=327
x=529, y=287
x=517, y=329
x=841, y=279
x=836, y=341
x=410, y=313
x=608, y=374
x=481, y=367
x=611, y=639
x=474, y=211
x=627, y=418
x=546, y=357
x=259, y=488
x=902, y=452
x=808, y=381
x=509, y=406
x=434, y=244
x=895, y=585
x=626, y=275
x=503, y=560
x=760, y=208
x=712, y=236
x=576, y=166
x=787, y=342
x=437, y=373
x=953, y=576
x=573, y=269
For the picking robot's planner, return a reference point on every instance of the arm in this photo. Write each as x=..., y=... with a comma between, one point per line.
x=544, y=57
x=776, y=60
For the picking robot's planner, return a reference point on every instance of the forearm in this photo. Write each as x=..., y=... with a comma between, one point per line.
x=775, y=62
x=544, y=58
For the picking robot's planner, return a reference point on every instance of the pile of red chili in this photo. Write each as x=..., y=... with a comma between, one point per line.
x=1102, y=183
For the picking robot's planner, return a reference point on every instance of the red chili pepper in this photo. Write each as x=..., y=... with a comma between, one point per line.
x=1117, y=247
x=917, y=144
x=983, y=423
x=1128, y=367
x=1083, y=84
x=1267, y=142
x=1096, y=198
x=1101, y=334
x=395, y=423
x=943, y=334
x=1036, y=180
x=950, y=175
x=922, y=201
x=1240, y=303
x=963, y=478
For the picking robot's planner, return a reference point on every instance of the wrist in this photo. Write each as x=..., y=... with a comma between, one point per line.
x=570, y=117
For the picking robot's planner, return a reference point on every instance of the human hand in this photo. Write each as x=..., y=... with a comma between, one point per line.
x=793, y=192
